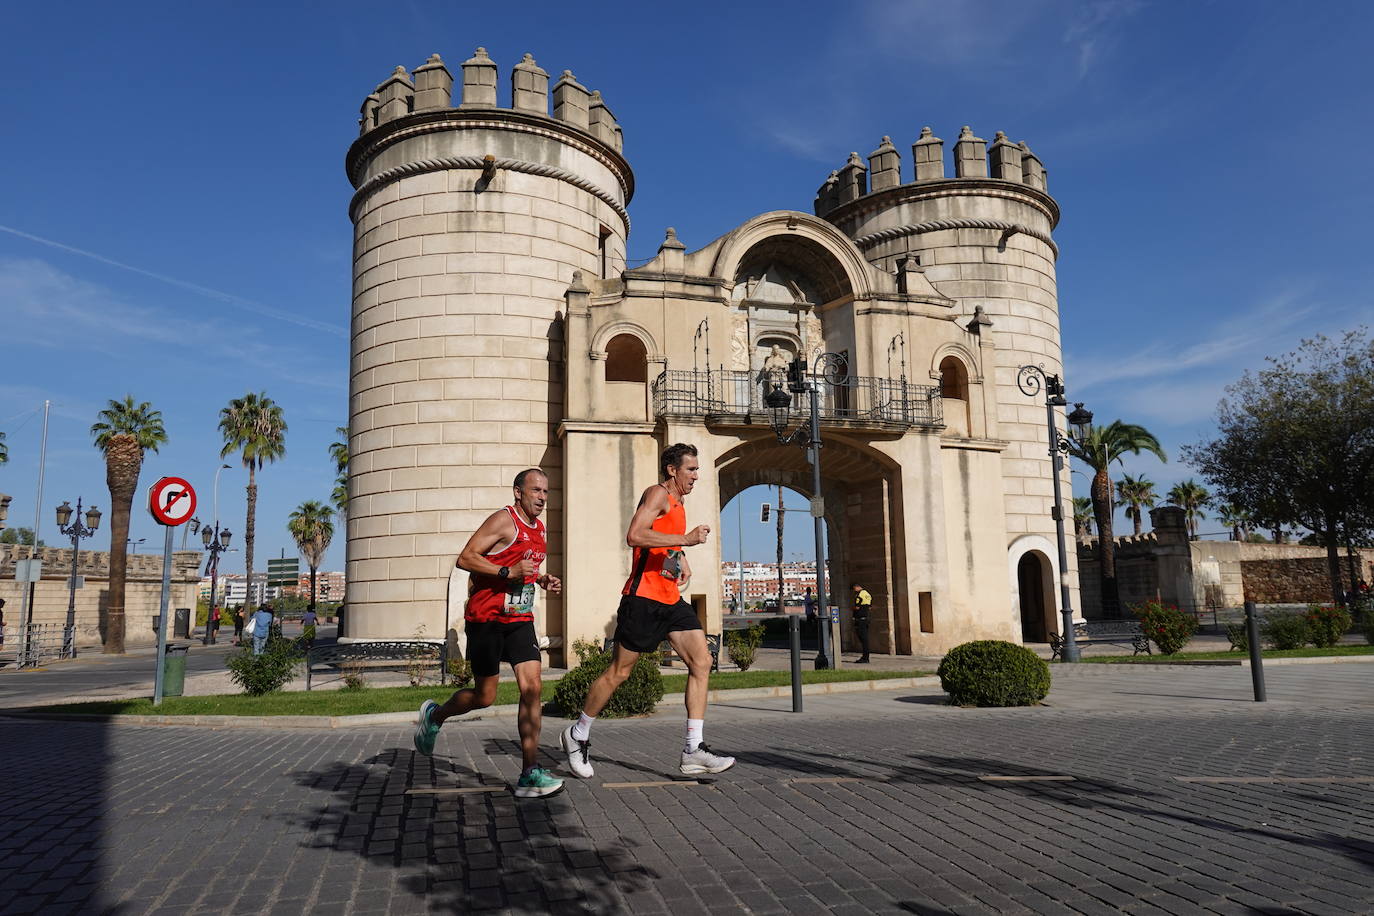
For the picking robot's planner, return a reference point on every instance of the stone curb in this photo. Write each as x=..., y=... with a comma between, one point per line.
x=407, y=718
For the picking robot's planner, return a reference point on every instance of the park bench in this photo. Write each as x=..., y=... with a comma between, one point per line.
x=389, y=655
x=665, y=650
x=1108, y=632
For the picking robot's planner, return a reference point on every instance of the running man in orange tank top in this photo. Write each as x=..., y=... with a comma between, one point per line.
x=652, y=609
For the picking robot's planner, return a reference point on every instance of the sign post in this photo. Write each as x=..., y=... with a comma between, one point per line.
x=172, y=502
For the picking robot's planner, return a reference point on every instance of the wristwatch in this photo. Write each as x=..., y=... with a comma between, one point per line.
x=504, y=573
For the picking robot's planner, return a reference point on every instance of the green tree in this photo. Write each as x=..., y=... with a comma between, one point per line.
x=1099, y=449
x=253, y=427
x=4, y=450
x=1192, y=497
x=1295, y=447
x=123, y=431
x=338, y=450
x=18, y=536
x=1136, y=494
x=312, y=528
x=1082, y=517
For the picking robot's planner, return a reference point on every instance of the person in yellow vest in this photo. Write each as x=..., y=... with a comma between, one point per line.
x=863, y=601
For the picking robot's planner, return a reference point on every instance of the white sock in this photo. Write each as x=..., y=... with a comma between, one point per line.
x=583, y=727
x=694, y=729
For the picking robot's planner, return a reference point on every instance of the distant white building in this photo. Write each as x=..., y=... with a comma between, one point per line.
x=233, y=589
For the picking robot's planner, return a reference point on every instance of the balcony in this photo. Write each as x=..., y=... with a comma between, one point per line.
x=736, y=397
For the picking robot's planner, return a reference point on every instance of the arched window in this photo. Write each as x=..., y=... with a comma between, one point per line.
x=953, y=378
x=626, y=359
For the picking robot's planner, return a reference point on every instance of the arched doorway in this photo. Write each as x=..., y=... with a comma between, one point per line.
x=1031, y=573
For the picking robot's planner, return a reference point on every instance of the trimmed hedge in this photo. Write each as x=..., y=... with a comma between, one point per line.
x=636, y=697
x=990, y=672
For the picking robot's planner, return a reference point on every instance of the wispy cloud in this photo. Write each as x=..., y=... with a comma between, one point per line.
x=1095, y=28
x=218, y=295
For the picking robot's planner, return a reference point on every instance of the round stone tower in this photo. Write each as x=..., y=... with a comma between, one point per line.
x=983, y=239
x=470, y=219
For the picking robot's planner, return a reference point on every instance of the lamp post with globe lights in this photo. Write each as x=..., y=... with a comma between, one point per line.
x=216, y=541
x=75, y=530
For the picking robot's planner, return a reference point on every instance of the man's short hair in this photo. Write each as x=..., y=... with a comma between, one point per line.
x=520, y=478
x=672, y=457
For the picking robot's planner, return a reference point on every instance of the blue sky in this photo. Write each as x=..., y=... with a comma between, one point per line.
x=173, y=220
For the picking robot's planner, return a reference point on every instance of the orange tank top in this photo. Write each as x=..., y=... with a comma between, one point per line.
x=656, y=568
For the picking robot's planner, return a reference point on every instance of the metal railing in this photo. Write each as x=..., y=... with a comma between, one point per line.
x=727, y=394
x=45, y=641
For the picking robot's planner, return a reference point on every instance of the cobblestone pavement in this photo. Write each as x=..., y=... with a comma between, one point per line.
x=1135, y=790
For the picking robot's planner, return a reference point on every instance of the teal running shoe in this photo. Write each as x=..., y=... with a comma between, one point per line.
x=538, y=783
x=425, y=730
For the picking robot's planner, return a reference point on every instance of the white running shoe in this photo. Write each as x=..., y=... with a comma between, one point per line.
x=579, y=756
x=702, y=761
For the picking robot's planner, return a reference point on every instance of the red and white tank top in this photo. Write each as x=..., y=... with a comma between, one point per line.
x=655, y=569
x=491, y=598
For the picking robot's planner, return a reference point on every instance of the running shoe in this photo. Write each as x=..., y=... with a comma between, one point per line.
x=425, y=730
x=579, y=754
x=537, y=783
x=702, y=761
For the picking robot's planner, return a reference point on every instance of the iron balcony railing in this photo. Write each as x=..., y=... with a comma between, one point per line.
x=725, y=395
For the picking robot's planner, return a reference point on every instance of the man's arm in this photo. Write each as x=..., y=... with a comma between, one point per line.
x=497, y=530
x=653, y=504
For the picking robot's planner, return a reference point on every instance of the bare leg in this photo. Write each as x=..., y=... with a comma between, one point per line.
x=622, y=663
x=531, y=716
x=481, y=695
x=690, y=645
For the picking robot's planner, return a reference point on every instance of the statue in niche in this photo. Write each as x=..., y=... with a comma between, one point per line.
x=775, y=366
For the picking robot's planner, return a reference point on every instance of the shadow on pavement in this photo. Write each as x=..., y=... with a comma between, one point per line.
x=459, y=852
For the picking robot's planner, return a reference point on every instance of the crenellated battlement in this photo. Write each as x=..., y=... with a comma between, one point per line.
x=430, y=88
x=972, y=159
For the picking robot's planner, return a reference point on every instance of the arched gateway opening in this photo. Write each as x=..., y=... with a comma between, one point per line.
x=863, y=543
x=1033, y=575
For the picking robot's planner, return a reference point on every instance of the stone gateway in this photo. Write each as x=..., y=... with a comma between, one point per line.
x=496, y=327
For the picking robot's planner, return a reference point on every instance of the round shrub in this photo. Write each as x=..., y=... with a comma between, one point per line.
x=272, y=670
x=1326, y=624
x=636, y=697
x=1286, y=631
x=991, y=672
x=742, y=645
x=1170, y=628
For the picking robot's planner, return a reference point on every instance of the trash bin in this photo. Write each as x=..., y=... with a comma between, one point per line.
x=174, y=670
x=182, y=623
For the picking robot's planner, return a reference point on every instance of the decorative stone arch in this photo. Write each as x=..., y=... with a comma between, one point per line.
x=963, y=354
x=605, y=333
x=1045, y=553
x=854, y=274
x=959, y=396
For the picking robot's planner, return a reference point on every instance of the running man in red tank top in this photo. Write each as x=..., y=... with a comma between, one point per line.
x=503, y=557
x=652, y=609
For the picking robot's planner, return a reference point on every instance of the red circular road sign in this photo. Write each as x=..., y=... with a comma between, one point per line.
x=172, y=501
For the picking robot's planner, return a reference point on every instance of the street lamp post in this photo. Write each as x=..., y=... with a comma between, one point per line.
x=831, y=369
x=216, y=542
x=1031, y=379
x=76, y=531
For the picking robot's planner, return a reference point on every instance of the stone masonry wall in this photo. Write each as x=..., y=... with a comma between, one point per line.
x=1295, y=580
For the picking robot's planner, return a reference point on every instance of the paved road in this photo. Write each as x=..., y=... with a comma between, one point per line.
x=1140, y=790
x=91, y=673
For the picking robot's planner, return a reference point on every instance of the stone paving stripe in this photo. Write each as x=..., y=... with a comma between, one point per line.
x=816, y=780
x=652, y=784
x=1026, y=778
x=458, y=790
x=1337, y=780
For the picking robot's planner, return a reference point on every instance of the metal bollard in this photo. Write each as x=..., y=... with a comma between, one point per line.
x=1256, y=659
x=794, y=633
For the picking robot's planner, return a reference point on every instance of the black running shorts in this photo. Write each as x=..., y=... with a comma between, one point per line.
x=492, y=642
x=642, y=623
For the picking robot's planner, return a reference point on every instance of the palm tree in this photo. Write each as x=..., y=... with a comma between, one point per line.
x=123, y=431
x=1101, y=446
x=1136, y=493
x=1235, y=518
x=252, y=426
x=1082, y=517
x=1190, y=496
x=312, y=529
x=338, y=450
x=4, y=450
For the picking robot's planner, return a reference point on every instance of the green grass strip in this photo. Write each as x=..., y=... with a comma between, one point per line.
x=405, y=699
x=1306, y=652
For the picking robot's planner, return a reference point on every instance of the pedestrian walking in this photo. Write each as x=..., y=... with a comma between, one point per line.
x=652, y=609
x=809, y=605
x=308, y=622
x=863, y=602
x=263, y=619
x=212, y=626
x=503, y=557
x=238, y=625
